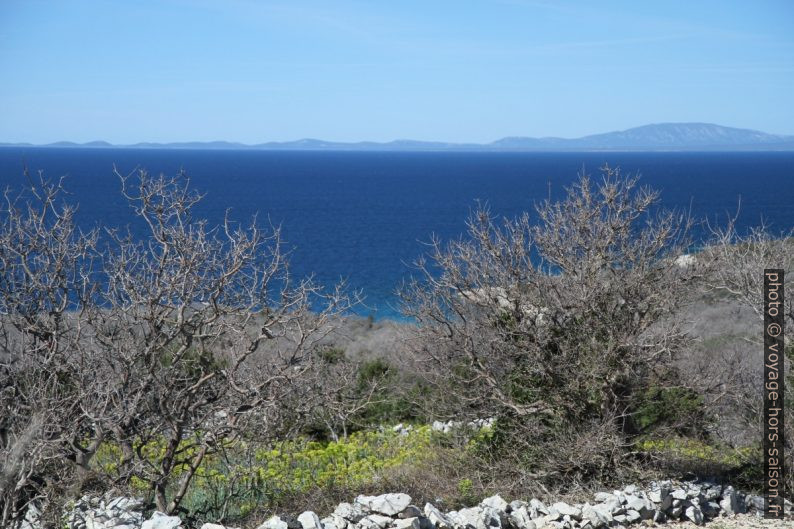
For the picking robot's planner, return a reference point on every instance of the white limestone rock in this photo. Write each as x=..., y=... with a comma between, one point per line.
x=477, y=518
x=538, y=506
x=375, y=521
x=730, y=501
x=568, y=510
x=407, y=523
x=274, y=522
x=607, y=510
x=712, y=493
x=436, y=517
x=334, y=521
x=601, y=497
x=613, y=506
x=521, y=519
x=352, y=512
x=595, y=517
x=679, y=494
x=633, y=516
x=472, y=517
x=694, y=514
x=495, y=502
x=309, y=520
x=125, y=504
x=634, y=503
x=161, y=520
x=630, y=489
x=387, y=504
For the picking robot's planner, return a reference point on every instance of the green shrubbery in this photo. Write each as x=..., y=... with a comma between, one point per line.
x=300, y=465
x=680, y=409
x=248, y=476
x=396, y=401
x=743, y=467
x=699, y=451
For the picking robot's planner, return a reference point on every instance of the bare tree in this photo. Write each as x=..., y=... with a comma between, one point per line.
x=204, y=330
x=46, y=268
x=738, y=261
x=556, y=325
x=342, y=392
x=163, y=347
x=735, y=266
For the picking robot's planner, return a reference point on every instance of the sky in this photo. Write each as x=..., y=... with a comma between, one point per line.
x=458, y=71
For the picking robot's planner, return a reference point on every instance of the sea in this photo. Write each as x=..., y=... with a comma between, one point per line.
x=367, y=216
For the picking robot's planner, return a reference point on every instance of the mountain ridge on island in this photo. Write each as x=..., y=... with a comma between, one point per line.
x=653, y=137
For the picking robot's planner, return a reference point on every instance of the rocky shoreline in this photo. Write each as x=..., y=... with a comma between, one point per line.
x=664, y=502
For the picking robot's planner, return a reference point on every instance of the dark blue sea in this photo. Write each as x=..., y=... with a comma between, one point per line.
x=364, y=216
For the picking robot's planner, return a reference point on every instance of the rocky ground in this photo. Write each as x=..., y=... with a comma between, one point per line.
x=740, y=521
x=661, y=504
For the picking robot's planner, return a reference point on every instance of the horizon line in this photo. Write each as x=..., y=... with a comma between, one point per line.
x=767, y=139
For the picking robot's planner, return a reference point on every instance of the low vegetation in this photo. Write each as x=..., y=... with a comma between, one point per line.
x=193, y=370
x=248, y=475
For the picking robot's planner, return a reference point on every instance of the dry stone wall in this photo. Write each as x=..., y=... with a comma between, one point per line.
x=659, y=502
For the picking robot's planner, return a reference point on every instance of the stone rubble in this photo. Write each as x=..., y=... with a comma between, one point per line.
x=666, y=501
x=107, y=512
x=447, y=427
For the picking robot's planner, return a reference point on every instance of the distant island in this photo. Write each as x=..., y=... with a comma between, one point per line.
x=655, y=137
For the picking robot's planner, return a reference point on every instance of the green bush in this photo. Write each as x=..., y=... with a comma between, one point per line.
x=669, y=407
x=694, y=450
x=395, y=400
x=743, y=467
x=248, y=477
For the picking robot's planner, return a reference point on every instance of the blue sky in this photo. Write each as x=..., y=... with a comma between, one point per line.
x=255, y=71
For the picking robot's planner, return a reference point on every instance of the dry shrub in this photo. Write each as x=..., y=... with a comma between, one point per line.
x=557, y=324
x=166, y=349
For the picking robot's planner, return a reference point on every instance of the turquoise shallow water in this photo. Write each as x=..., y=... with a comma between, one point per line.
x=365, y=215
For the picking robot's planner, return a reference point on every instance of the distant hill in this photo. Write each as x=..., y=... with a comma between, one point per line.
x=661, y=136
